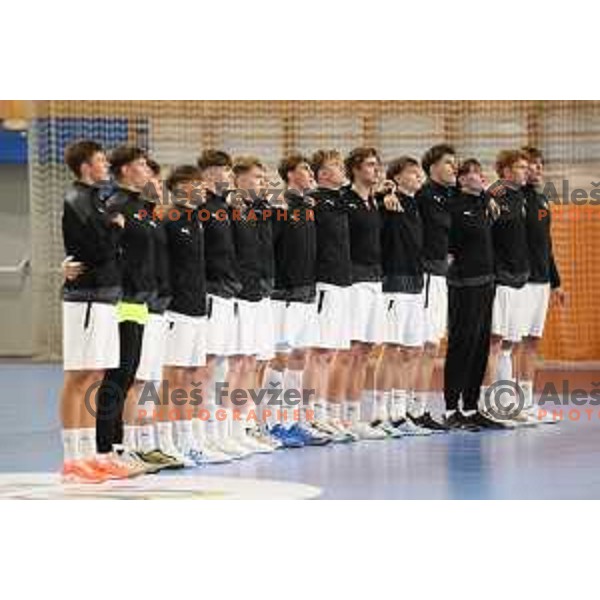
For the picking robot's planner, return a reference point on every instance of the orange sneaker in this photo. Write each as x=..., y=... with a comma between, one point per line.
x=81, y=471
x=111, y=467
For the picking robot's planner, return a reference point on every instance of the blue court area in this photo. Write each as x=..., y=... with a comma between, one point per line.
x=545, y=462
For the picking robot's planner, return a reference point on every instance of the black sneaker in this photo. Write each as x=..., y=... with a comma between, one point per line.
x=458, y=422
x=484, y=422
x=427, y=421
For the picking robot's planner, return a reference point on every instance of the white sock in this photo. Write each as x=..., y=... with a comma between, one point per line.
x=352, y=412
x=527, y=387
x=334, y=411
x=211, y=426
x=70, y=439
x=321, y=409
x=225, y=426
x=414, y=407
x=398, y=404
x=292, y=382
x=274, y=381
x=504, y=370
x=198, y=431
x=238, y=426
x=382, y=400
x=130, y=436
x=422, y=401
x=165, y=436
x=146, y=439
x=183, y=431
x=87, y=442
x=368, y=405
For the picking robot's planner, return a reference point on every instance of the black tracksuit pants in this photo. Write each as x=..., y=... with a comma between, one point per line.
x=115, y=385
x=469, y=330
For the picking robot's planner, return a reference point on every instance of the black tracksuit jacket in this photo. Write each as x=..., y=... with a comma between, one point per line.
x=334, y=264
x=402, y=247
x=542, y=267
x=90, y=238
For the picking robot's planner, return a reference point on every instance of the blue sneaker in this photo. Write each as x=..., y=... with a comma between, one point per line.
x=310, y=436
x=286, y=437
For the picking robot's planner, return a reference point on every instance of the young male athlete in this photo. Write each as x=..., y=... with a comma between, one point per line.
x=138, y=431
x=511, y=257
x=254, y=256
x=295, y=247
x=470, y=298
x=402, y=261
x=366, y=299
x=544, y=282
x=130, y=170
x=434, y=199
x=226, y=331
x=334, y=278
x=90, y=326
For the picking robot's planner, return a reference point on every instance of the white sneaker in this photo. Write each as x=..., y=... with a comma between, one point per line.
x=407, y=427
x=253, y=444
x=524, y=419
x=211, y=456
x=231, y=447
x=342, y=432
x=365, y=431
x=265, y=438
x=389, y=429
x=535, y=413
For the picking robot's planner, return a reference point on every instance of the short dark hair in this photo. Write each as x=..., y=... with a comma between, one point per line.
x=81, y=152
x=124, y=155
x=320, y=157
x=434, y=154
x=398, y=165
x=466, y=166
x=533, y=153
x=154, y=166
x=214, y=158
x=289, y=163
x=243, y=164
x=182, y=174
x=507, y=158
x=356, y=158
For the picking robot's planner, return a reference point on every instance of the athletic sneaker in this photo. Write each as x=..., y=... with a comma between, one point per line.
x=82, y=471
x=192, y=458
x=365, y=431
x=337, y=432
x=524, y=419
x=484, y=421
x=427, y=421
x=160, y=459
x=388, y=429
x=132, y=460
x=458, y=421
x=309, y=435
x=286, y=436
x=253, y=444
x=407, y=427
x=211, y=455
x=265, y=438
x=547, y=419
x=232, y=448
x=114, y=468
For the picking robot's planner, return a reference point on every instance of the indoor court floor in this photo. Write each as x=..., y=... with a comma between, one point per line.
x=559, y=461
